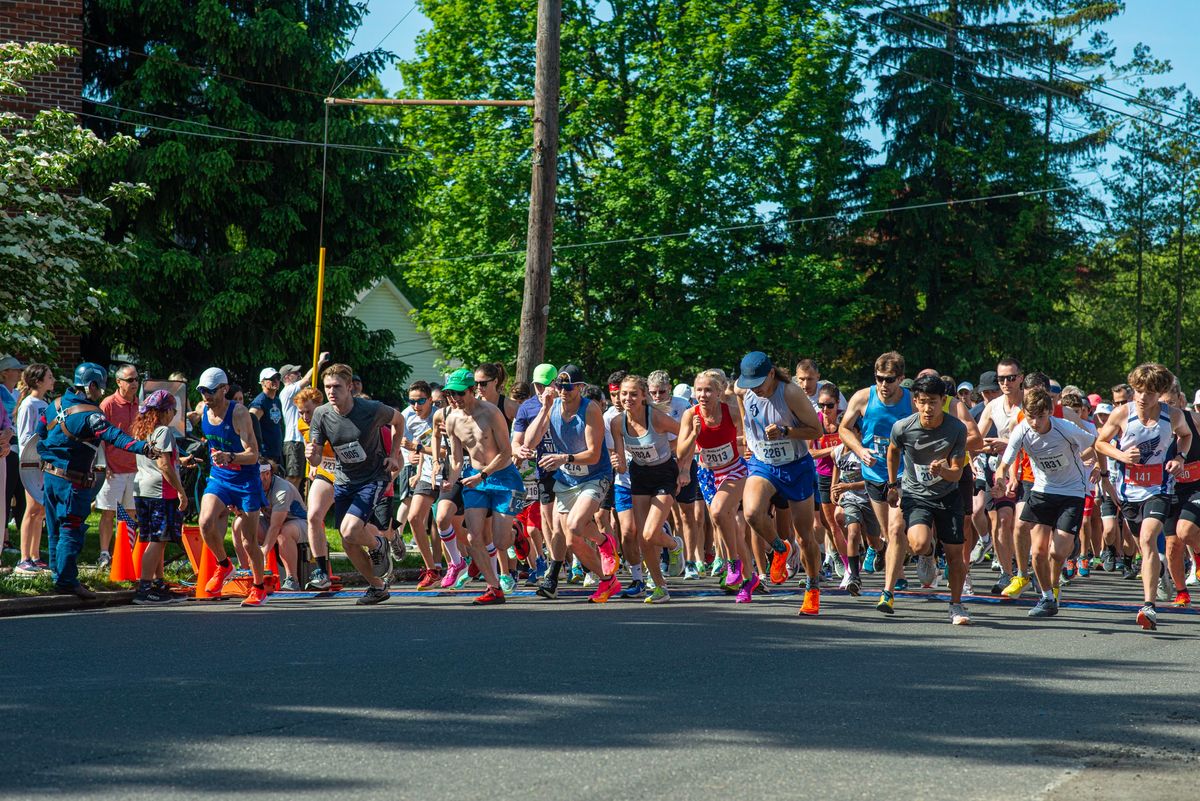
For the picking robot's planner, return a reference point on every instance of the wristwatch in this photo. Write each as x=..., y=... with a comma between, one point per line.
x=483, y=475
x=893, y=484
x=786, y=430
x=570, y=457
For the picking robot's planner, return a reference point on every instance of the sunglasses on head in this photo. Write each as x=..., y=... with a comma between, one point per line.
x=886, y=379
x=417, y=401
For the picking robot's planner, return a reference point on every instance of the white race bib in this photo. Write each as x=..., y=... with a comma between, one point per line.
x=777, y=452
x=712, y=458
x=576, y=470
x=925, y=475
x=1051, y=463
x=350, y=453
x=644, y=454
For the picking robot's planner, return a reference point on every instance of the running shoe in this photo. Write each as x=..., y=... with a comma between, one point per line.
x=812, y=602
x=636, y=589
x=1045, y=607
x=659, y=596
x=1192, y=577
x=318, y=579
x=548, y=589
x=745, y=593
x=779, y=564
x=981, y=546
x=429, y=579
x=452, y=575
x=1164, y=592
x=256, y=596
x=463, y=577
x=521, y=545
x=399, y=547
x=591, y=579
x=959, y=615
x=1128, y=572
x=854, y=585
x=151, y=596
x=1069, y=569
x=491, y=596
x=901, y=584
x=1001, y=582
x=27, y=567
x=104, y=560
x=374, y=595
x=1085, y=567
x=1056, y=591
x=968, y=588
x=845, y=582
x=290, y=584
x=689, y=572
x=381, y=559
x=718, y=567
x=218, y=580
x=1182, y=598
x=610, y=562
x=675, y=558
x=607, y=589
x=576, y=575
x=839, y=567
x=1108, y=559
x=1147, y=617
x=507, y=583
x=1017, y=587
x=869, y=560
x=733, y=575
x=926, y=570
x=996, y=567
x=886, y=603
x=41, y=564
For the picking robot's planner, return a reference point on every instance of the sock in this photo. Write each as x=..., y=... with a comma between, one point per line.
x=853, y=566
x=812, y=582
x=225, y=562
x=779, y=546
x=1047, y=595
x=491, y=552
x=450, y=543
x=635, y=572
x=845, y=561
x=323, y=564
x=143, y=586
x=556, y=566
x=1149, y=604
x=258, y=586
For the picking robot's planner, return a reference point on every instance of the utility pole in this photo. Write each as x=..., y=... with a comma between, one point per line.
x=539, y=248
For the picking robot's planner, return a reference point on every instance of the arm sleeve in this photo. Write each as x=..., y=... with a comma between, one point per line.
x=104, y=430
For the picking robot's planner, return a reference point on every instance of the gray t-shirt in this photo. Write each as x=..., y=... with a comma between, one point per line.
x=284, y=497
x=148, y=482
x=354, y=438
x=923, y=445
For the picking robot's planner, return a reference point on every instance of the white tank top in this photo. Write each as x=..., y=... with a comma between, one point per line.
x=1146, y=478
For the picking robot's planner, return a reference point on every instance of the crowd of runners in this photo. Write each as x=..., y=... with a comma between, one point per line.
x=637, y=485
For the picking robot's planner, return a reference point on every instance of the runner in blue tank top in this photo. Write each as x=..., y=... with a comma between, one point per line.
x=779, y=422
x=1148, y=463
x=234, y=482
x=866, y=430
x=582, y=475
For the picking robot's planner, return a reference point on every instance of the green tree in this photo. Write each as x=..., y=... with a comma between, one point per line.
x=720, y=123
x=228, y=249
x=51, y=233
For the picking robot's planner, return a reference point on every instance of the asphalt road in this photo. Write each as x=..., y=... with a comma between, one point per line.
x=430, y=698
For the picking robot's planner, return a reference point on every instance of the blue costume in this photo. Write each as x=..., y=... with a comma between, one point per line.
x=71, y=432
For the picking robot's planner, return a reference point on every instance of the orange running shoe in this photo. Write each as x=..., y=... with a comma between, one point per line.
x=429, y=578
x=812, y=602
x=1182, y=598
x=217, y=582
x=491, y=596
x=779, y=564
x=256, y=597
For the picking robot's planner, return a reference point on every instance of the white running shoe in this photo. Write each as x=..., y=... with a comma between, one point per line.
x=590, y=580
x=968, y=589
x=845, y=581
x=926, y=570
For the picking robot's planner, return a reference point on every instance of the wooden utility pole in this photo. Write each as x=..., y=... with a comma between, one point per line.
x=539, y=248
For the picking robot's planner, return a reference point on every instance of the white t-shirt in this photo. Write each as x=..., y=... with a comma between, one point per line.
x=418, y=430
x=291, y=415
x=1055, y=457
x=620, y=479
x=27, y=419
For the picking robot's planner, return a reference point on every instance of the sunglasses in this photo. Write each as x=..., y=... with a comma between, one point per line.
x=1006, y=378
x=206, y=391
x=452, y=393
x=567, y=386
x=130, y=380
x=886, y=379
x=827, y=405
x=482, y=384
x=417, y=401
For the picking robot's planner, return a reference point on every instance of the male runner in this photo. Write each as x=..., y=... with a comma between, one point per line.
x=351, y=425
x=1002, y=413
x=934, y=448
x=493, y=489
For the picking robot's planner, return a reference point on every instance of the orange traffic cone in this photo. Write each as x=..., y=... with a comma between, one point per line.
x=139, y=549
x=208, y=566
x=122, y=556
x=273, y=562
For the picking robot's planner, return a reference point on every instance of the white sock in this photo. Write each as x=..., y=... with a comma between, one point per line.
x=450, y=543
x=1047, y=595
x=491, y=552
x=636, y=572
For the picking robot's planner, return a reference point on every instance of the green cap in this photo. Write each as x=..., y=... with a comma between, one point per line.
x=544, y=374
x=460, y=380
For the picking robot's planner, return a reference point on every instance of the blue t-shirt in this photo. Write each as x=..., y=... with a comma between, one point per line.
x=271, y=425
x=9, y=401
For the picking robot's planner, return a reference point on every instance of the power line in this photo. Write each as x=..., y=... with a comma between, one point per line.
x=860, y=211
x=373, y=49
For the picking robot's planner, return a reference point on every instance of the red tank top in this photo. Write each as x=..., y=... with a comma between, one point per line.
x=717, y=446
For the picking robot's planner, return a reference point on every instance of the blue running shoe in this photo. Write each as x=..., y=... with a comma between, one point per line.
x=901, y=585
x=636, y=589
x=869, y=560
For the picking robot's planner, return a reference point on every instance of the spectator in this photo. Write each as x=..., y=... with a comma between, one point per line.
x=236, y=394
x=6, y=435
x=11, y=492
x=38, y=380
x=293, y=443
x=283, y=520
x=269, y=411
x=117, y=492
x=160, y=496
x=356, y=387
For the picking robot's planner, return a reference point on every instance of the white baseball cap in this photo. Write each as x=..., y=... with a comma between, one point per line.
x=212, y=378
x=1104, y=408
x=683, y=391
x=965, y=385
x=267, y=373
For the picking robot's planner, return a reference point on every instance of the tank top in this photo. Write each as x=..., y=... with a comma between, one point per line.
x=650, y=449
x=1189, y=480
x=762, y=412
x=876, y=427
x=825, y=463
x=569, y=437
x=716, y=446
x=1146, y=478
x=222, y=437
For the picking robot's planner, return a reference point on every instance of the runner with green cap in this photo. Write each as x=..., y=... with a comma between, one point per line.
x=556, y=542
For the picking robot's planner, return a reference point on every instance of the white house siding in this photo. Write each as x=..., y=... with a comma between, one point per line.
x=384, y=307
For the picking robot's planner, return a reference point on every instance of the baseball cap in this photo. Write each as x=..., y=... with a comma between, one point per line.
x=160, y=400
x=288, y=369
x=1095, y=400
x=268, y=373
x=907, y=383
x=212, y=378
x=571, y=373
x=988, y=382
x=460, y=380
x=964, y=385
x=1104, y=408
x=544, y=374
x=1055, y=387
x=683, y=391
x=11, y=363
x=756, y=368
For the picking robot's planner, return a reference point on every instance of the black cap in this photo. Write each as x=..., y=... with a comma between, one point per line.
x=571, y=373
x=988, y=382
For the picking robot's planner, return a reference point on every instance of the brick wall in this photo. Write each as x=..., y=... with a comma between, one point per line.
x=56, y=22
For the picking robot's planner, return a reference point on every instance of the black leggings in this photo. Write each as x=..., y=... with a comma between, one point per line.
x=14, y=496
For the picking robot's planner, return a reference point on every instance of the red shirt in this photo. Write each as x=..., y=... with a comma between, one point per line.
x=120, y=413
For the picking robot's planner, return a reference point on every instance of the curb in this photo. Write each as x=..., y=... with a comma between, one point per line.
x=39, y=604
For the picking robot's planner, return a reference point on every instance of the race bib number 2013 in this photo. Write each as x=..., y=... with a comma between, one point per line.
x=712, y=458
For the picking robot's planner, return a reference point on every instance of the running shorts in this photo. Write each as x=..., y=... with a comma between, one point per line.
x=248, y=497
x=1189, y=507
x=863, y=514
x=1089, y=506
x=622, y=498
x=454, y=495
x=1157, y=507
x=1061, y=512
x=546, y=489
x=503, y=492
x=659, y=479
x=384, y=513
x=690, y=492
x=358, y=500
x=711, y=481
x=1108, y=507
x=404, y=489
x=824, y=485
x=158, y=519
x=944, y=515
x=876, y=490
x=566, y=497
x=294, y=463
x=609, y=501
x=531, y=516
x=795, y=481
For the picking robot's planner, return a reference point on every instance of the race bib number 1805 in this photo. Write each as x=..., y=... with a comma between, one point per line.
x=350, y=452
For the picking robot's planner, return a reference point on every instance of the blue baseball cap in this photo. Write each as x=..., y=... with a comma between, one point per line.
x=756, y=368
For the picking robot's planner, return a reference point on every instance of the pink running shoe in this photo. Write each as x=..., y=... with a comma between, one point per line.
x=733, y=577
x=746, y=593
x=609, y=561
x=452, y=574
x=607, y=589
